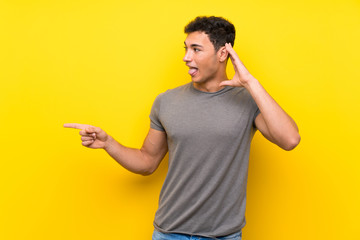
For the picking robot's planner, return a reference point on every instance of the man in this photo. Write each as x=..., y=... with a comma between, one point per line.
x=207, y=126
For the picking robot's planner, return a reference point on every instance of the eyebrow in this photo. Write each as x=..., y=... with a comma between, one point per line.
x=194, y=45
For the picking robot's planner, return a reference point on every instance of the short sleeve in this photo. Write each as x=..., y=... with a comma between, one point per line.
x=257, y=112
x=155, y=122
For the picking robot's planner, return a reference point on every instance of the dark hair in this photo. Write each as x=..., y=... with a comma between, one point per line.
x=219, y=30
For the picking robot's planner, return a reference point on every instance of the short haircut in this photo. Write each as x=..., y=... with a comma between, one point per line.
x=219, y=30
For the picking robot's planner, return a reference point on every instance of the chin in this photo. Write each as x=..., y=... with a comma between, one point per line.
x=196, y=80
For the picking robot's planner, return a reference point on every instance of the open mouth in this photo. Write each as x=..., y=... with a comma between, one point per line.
x=193, y=71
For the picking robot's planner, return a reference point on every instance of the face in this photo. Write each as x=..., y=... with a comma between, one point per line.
x=201, y=57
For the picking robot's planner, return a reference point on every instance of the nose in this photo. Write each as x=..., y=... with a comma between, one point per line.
x=187, y=57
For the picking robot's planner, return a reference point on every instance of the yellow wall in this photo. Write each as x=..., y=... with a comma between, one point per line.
x=104, y=62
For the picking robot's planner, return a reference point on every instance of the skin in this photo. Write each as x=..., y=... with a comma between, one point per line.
x=273, y=122
x=200, y=53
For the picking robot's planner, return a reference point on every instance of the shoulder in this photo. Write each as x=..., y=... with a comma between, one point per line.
x=242, y=97
x=168, y=94
x=241, y=92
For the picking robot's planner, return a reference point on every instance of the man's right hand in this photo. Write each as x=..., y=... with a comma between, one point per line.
x=142, y=161
x=91, y=136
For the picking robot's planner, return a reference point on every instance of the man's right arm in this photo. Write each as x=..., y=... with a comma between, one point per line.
x=142, y=161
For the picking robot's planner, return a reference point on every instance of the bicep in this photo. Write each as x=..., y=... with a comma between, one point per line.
x=261, y=125
x=155, y=146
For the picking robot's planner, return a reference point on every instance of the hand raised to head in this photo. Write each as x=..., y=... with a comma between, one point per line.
x=91, y=136
x=242, y=75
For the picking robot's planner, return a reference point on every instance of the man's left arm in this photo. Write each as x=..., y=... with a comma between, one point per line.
x=273, y=122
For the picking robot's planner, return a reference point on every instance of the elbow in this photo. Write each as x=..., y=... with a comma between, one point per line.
x=148, y=165
x=292, y=142
x=148, y=170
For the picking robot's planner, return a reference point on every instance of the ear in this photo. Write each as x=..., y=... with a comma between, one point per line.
x=222, y=54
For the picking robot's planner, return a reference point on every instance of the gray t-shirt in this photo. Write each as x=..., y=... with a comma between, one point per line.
x=208, y=137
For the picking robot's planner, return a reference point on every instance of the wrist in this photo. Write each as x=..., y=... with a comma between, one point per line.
x=251, y=82
x=108, y=143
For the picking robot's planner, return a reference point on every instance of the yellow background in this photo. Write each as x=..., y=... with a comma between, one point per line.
x=104, y=62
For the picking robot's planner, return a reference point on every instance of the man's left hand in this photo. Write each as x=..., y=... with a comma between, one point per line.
x=242, y=76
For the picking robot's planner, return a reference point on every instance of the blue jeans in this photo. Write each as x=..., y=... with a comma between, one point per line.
x=176, y=236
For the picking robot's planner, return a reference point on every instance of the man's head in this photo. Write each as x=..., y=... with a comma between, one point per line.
x=206, y=55
x=218, y=29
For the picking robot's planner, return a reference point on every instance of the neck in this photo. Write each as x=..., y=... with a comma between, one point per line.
x=211, y=85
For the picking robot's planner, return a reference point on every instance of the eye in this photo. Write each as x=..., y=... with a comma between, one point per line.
x=196, y=50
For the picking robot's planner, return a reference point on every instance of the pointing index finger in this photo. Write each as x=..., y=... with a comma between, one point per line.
x=76, y=125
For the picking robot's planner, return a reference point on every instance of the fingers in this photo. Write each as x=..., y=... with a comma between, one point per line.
x=90, y=131
x=238, y=64
x=226, y=83
x=85, y=128
x=87, y=134
x=229, y=48
x=91, y=136
x=88, y=138
x=231, y=51
x=76, y=125
x=87, y=143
